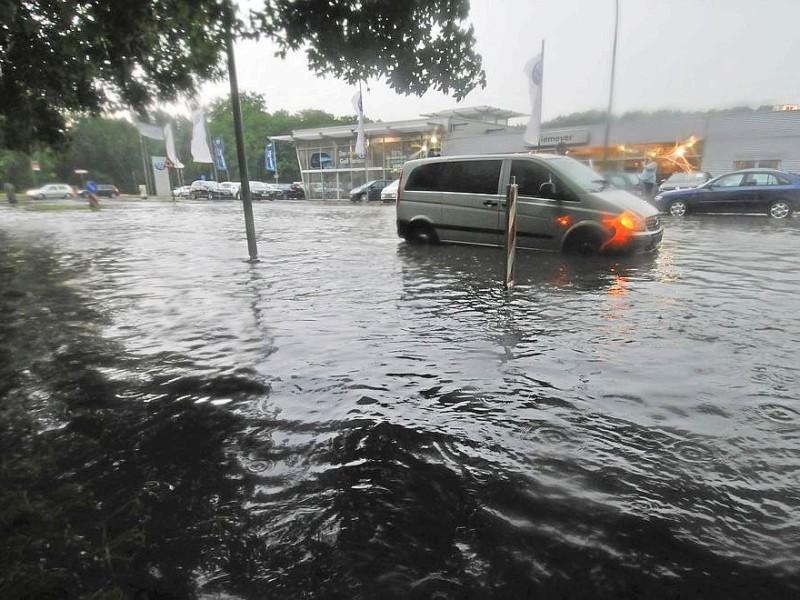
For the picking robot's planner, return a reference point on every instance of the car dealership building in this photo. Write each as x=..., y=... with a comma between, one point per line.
x=717, y=142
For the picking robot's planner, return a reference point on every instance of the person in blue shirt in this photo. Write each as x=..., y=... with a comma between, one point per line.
x=648, y=177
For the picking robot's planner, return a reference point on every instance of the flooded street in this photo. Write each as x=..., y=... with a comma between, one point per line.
x=352, y=417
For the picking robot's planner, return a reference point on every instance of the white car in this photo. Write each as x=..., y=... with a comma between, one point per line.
x=389, y=193
x=52, y=190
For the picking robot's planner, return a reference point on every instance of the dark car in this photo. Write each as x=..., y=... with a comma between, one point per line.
x=681, y=180
x=103, y=189
x=293, y=191
x=765, y=191
x=370, y=190
x=263, y=191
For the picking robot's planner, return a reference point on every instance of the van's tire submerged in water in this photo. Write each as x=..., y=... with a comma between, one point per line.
x=421, y=233
x=585, y=243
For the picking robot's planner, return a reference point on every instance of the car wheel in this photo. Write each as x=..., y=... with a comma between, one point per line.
x=210, y=196
x=41, y=196
x=422, y=233
x=779, y=209
x=677, y=208
x=114, y=195
x=359, y=198
x=584, y=243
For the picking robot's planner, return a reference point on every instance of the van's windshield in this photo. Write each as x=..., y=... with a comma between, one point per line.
x=579, y=175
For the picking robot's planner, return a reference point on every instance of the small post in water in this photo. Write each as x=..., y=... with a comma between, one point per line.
x=511, y=232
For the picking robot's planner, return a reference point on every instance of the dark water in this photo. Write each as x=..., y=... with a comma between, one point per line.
x=355, y=418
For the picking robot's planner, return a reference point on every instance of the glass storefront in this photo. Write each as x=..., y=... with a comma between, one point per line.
x=331, y=168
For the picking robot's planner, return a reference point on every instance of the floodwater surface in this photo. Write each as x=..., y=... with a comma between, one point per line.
x=352, y=417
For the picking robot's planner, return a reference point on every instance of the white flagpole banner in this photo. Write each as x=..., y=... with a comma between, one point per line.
x=172, y=155
x=359, y=106
x=149, y=131
x=200, y=150
x=534, y=70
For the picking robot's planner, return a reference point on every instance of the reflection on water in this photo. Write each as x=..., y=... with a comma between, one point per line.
x=352, y=417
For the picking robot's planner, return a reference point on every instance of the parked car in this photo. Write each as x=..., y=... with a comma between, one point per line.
x=201, y=188
x=389, y=193
x=623, y=180
x=228, y=190
x=370, y=190
x=52, y=190
x=319, y=190
x=103, y=189
x=183, y=191
x=766, y=191
x=681, y=180
x=293, y=191
x=562, y=205
x=262, y=191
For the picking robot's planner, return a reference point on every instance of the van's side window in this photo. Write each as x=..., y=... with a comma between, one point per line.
x=468, y=177
x=530, y=176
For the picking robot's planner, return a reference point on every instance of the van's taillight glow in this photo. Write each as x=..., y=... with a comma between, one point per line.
x=564, y=220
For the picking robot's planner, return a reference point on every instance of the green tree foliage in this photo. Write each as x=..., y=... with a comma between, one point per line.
x=108, y=149
x=61, y=57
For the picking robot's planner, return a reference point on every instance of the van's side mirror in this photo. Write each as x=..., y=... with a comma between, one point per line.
x=548, y=189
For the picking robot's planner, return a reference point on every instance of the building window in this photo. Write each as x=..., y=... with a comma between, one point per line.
x=752, y=164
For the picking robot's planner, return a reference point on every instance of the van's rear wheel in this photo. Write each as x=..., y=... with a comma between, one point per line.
x=584, y=243
x=421, y=233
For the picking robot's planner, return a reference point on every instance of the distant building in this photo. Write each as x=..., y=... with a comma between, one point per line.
x=714, y=142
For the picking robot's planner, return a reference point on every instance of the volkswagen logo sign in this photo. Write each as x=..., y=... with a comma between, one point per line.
x=159, y=163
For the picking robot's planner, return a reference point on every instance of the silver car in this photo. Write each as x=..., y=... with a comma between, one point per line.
x=52, y=190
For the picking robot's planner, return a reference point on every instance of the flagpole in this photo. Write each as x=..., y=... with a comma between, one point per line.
x=611, y=86
x=144, y=164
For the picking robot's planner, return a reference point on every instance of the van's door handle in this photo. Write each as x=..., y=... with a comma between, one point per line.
x=490, y=203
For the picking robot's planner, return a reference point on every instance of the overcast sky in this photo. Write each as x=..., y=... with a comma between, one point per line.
x=684, y=54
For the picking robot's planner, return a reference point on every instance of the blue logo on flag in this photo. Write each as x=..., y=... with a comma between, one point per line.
x=537, y=72
x=270, y=163
x=219, y=154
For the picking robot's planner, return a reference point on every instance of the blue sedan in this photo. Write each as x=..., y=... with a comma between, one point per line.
x=762, y=191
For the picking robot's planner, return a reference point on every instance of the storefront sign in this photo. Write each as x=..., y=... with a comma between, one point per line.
x=568, y=136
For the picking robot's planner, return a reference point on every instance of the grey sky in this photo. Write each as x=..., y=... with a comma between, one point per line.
x=687, y=54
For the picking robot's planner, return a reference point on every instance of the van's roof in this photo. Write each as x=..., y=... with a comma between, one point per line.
x=542, y=156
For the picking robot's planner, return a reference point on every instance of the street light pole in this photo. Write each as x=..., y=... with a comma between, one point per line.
x=244, y=176
x=611, y=86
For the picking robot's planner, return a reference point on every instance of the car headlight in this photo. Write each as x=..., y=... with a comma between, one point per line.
x=658, y=197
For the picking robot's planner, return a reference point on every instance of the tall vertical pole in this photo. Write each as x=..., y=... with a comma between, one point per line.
x=511, y=232
x=144, y=165
x=611, y=85
x=244, y=176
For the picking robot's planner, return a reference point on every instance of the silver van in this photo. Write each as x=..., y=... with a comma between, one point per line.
x=562, y=205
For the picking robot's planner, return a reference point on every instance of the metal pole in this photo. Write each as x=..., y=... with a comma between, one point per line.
x=144, y=164
x=244, y=177
x=511, y=232
x=611, y=86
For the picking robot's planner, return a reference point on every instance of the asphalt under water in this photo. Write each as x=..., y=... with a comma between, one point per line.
x=353, y=417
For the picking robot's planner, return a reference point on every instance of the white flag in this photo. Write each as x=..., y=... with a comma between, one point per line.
x=171, y=154
x=359, y=106
x=200, y=150
x=534, y=70
x=150, y=131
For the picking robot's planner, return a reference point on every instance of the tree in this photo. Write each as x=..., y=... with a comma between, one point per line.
x=71, y=56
